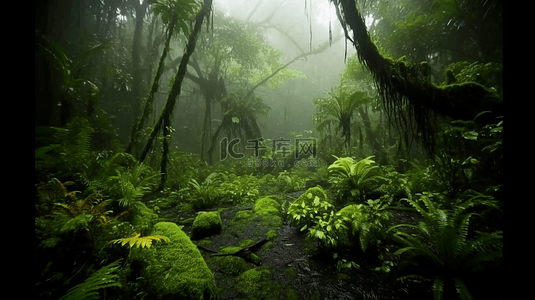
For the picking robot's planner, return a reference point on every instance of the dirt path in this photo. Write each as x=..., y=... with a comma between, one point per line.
x=296, y=270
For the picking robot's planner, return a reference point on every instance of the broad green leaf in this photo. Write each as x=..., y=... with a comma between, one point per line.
x=470, y=135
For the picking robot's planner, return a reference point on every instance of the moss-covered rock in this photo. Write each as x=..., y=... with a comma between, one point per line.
x=257, y=284
x=266, y=207
x=175, y=270
x=291, y=294
x=231, y=265
x=265, y=216
x=206, y=224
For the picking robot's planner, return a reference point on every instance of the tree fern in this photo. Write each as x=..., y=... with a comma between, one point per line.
x=103, y=278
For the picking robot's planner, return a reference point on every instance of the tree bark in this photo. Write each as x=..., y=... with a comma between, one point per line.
x=150, y=100
x=165, y=118
x=137, y=86
x=403, y=84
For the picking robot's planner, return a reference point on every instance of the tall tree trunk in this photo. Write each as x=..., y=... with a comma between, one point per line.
x=165, y=118
x=137, y=76
x=150, y=100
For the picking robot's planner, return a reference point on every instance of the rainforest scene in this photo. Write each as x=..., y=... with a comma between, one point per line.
x=268, y=149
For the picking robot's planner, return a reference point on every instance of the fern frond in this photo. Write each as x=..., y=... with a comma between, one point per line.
x=102, y=278
x=138, y=241
x=463, y=290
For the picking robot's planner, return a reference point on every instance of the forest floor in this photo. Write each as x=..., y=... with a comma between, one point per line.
x=291, y=268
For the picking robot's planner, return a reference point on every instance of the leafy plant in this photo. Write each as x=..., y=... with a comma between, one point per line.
x=239, y=189
x=136, y=240
x=442, y=241
x=355, y=176
x=73, y=88
x=370, y=223
x=130, y=184
x=288, y=182
x=396, y=185
x=103, y=278
x=64, y=151
x=205, y=194
x=309, y=208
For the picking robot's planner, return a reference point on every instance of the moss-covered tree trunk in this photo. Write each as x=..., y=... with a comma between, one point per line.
x=148, y=105
x=164, y=121
x=406, y=87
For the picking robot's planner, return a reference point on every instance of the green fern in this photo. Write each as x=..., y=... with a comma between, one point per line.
x=136, y=240
x=442, y=239
x=356, y=175
x=65, y=150
x=103, y=278
x=131, y=184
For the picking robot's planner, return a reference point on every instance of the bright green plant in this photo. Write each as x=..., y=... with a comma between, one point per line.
x=205, y=194
x=370, y=223
x=355, y=177
x=288, y=182
x=130, y=184
x=239, y=189
x=308, y=207
x=104, y=277
x=136, y=240
x=395, y=185
x=442, y=241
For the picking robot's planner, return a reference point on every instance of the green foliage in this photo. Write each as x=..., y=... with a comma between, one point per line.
x=486, y=74
x=288, y=182
x=182, y=168
x=239, y=189
x=183, y=10
x=130, y=184
x=354, y=178
x=136, y=240
x=64, y=151
x=205, y=194
x=442, y=241
x=103, y=278
x=305, y=209
x=395, y=185
x=73, y=88
x=334, y=112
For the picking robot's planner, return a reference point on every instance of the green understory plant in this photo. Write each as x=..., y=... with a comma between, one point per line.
x=130, y=184
x=309, y=208
x=239, y=189
x=205, y=194
x=440, y=248
x=103, y=278
x=354, y=178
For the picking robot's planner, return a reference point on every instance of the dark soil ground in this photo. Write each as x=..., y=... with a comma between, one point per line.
x=299, y=270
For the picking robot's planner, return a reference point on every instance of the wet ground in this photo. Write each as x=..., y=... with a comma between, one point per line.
x=300, y=270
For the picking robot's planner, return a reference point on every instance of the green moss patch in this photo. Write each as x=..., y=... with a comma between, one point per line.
x=267, y=207
x=175, y=269
x=257, y=284
x=231, y=265
x=206, y=224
